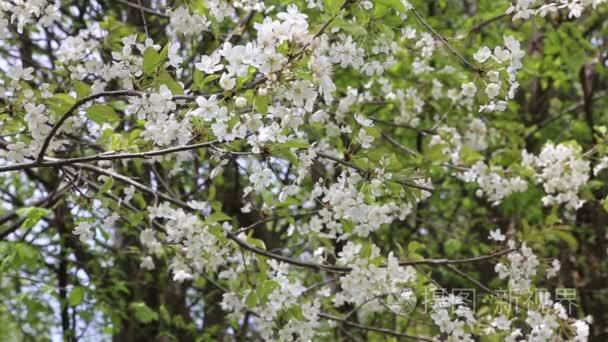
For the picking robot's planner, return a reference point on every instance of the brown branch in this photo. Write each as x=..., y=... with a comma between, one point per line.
x=84, y=100
x=464, y=61
x=477, y=28
x=143, y=18
x=364, y=172
x=417, y=129
x=457, y=261
x=45, y=203
x=71, y=111
x=145, y=9
x=52, y=162
x=397, y=144
x=371, y=328
x=235, y=35
x=243, y=244
x=472, y=280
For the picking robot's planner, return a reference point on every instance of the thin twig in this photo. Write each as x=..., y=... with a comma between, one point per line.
x=363, y=172
x=417, y=129
x=397, y=144
x=464, y=61
x=457, y=261
x=71, y=111
x=371, y=328
x=145, y=9
x=243, y=244
x=477, y=28
x=143, y=18
x=52, y=162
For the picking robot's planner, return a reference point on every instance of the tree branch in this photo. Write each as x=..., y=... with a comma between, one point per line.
x=370, y=328
x=363, y=172
x=234, y=236
x=52, y=162
x=145, y=9
x=464, y=61
x=71, y=111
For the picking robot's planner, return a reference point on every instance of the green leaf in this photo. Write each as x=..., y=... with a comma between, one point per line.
x=164, y=314
x=350, y=27
x=251, y=300
x=362, y=163
x=25, y=254
x=76, y=296
x=452, y=246
x=605, y=204
x=295, y=143
x=197, y=78
x=261, y=104
x=82, y=89
x=101, y=114
x=152, y=60
x=469, y=156
x=266, y=289
x=166, y=79
x=256, y=243
x=107, y=185
x=285, y=153
x=565, y=236
x=217, y=217
x=296, y=313
x=394, y=4
x=143, y=313
x=32, y=215
x=366, y=251
x=415, y=247
x=332, y=6
x=60, y=103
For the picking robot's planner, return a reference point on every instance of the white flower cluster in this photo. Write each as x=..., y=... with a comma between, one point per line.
x=283, y=294
x=452, y=315
x=562, y=171
x=162, y=126
x=210, y=110
x=286, y=296
x=203, y=246
x=411, y=105
x=525, y=9
x=346, y=202
x=492, y=181
x=76, y=48
x=427, y=45
x=367, y=281
x=475, y=137
x=546, y=322
x=382, y=56
x=84, y=230
x=25, y=12
x=126, y=64
x=39, y=125
x=221, y=9
x=181, y=21
x=509, y=57
x=520, y=270
x=451, y=142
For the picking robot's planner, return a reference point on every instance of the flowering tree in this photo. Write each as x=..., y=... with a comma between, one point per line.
x=303, y=170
